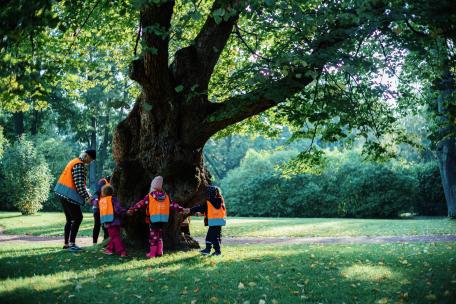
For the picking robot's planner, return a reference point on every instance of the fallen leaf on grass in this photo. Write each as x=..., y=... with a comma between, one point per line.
x=261, y=301
x=138, y=296
x=241, y=285
x=214, y=300
x=382, y=301
x=431, y=297
x=252, y=284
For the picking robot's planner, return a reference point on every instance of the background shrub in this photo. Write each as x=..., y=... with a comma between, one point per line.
x=26, y=178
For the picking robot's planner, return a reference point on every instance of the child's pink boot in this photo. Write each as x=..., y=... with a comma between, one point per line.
x=159, y=252
x=153, y=252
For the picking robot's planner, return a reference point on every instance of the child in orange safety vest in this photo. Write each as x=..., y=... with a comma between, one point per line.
x=110, y=216
x=157, y=205
x=215, y=217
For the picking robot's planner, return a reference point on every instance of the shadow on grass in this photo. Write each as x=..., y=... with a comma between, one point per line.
x=10, y=216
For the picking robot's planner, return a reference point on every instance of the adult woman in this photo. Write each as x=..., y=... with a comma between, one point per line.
x=73, y=193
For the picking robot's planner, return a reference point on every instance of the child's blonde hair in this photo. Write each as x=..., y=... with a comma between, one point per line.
x=107, y=190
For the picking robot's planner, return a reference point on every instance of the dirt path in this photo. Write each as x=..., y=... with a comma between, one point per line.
x=85, y=241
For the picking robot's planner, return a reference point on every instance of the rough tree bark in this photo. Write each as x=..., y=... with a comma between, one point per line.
x=446, y=149
x=166, y=130
x=446, y=152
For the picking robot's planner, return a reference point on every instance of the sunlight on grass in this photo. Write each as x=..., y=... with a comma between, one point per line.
x=369, y=273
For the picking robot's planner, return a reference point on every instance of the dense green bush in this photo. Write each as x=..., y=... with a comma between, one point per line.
x=26, y=179
x=349, y=187
x=431, y=198
x=371, y=190
x=254, y=188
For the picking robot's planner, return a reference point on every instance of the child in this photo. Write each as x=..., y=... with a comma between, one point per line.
x=110, y=213
x=157, y=204
x=215, y=217
x=96, y=211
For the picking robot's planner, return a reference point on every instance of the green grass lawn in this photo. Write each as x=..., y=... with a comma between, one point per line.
x=48, y=223
x=387, y=273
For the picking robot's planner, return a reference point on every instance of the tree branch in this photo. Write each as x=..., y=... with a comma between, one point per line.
x=213, y=36
x=77, y=31
x=241, y=107
x=196, y=62
x=151, y=70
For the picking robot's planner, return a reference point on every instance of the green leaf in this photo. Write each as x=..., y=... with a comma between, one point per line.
x=179, y=88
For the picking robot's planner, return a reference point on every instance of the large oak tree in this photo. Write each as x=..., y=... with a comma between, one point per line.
x=172, y=119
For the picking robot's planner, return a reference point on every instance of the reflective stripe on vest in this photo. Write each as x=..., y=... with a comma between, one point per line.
x=158, y=210
x=65, y=185
x=106, y=209
x=216, y=217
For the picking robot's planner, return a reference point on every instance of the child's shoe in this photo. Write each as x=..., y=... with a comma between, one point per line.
x=152, y=253
x=206, y=251
x=216, y=253
x=75, y=248
x=159, y=251
x=107, y=251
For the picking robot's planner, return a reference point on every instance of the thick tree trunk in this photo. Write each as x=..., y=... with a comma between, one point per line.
x=446, y=150
x=149, y=143
x=446, y=153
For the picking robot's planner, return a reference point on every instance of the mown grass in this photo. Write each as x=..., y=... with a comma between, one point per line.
x=49, y=224
x=370, y=273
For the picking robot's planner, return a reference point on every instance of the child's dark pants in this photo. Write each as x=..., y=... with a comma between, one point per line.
x=214, y=237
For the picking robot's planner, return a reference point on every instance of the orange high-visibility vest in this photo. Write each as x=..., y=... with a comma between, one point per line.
x=158, y=210
x=106, y=209
x=216, y=217
x=65, y=185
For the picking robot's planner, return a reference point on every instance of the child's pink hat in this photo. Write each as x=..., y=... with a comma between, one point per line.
x=156, y=184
